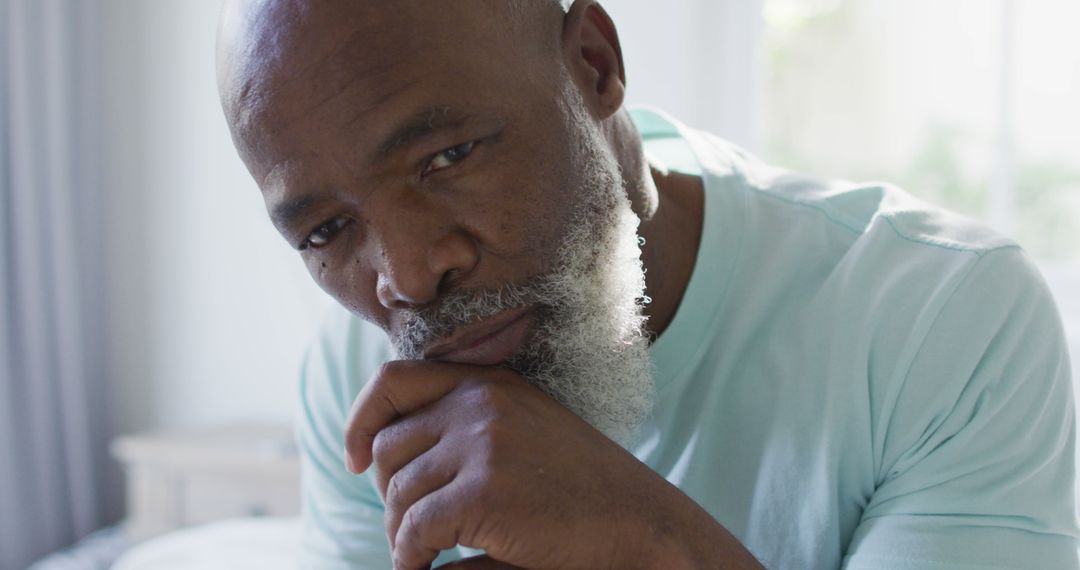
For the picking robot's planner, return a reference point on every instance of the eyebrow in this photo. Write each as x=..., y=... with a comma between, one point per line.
x=286, y=212
x=417, y=127
x=421, y=125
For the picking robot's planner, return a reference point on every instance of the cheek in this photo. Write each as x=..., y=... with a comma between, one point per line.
x=540, y=221
x=349, y=284
x=521, y=217
x=542, y=227
x=515, y=233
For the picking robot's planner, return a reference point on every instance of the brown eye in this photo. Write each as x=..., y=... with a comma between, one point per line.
x=449, y=157
x=324, y=234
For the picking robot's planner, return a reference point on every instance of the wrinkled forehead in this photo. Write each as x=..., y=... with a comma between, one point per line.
x=290, y=70
x=274, y=51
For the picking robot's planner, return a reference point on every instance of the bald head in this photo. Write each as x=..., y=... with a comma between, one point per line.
x=267, y=47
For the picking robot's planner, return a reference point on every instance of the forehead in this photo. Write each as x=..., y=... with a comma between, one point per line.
x=293, y=70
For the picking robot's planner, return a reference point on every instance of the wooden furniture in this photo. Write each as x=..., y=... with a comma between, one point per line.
x=176, y=480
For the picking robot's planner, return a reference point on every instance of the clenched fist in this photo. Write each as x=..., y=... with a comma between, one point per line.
x=476, y=456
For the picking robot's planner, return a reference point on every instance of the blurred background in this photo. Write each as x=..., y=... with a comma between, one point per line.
x=152, y=321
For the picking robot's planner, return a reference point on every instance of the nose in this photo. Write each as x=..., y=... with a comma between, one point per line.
x=414, y=273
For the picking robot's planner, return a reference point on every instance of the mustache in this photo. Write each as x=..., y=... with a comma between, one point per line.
x=422, y=327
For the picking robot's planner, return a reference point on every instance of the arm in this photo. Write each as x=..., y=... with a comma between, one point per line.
x=975, y=446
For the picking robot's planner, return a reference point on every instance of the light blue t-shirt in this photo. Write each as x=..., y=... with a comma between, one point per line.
x=853, y=379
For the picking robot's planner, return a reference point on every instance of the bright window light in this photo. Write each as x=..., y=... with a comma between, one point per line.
x=969, y=104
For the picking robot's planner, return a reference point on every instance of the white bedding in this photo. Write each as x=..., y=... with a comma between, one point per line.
x=256, y=543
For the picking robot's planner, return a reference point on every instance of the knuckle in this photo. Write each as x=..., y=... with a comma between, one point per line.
x=488, y=447
x=484, y=490
x=408, y=530
x=404, y=558
x=487, y=436
x=394, y=488
x=491, y=397
x=382, y=445
x=490, y=433
x=388, y=370
x=408, y=536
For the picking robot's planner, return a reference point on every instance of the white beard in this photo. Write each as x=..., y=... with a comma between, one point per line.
x=589, y=351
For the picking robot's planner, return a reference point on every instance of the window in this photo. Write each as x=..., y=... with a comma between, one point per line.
x=969, y=104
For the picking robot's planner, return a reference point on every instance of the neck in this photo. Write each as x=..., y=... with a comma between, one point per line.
x=670, y=206
x=672, y=238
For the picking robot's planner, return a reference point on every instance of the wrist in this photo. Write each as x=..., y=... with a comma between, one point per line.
x=658, y=536
x=666, y=544
x=680, y=535
x=670, y=553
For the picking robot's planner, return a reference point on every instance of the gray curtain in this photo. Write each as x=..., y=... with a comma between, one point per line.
x=53, y=420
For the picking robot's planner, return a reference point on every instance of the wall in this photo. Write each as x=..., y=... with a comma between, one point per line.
x=210, y=308
x=700, y=60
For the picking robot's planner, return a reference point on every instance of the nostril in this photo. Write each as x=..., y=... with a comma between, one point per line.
x=453, y=257
x=448, y=279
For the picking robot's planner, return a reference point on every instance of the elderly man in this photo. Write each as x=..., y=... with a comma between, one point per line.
x=587, y=337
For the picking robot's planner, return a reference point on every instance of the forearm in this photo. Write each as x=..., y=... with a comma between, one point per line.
x=686, y=537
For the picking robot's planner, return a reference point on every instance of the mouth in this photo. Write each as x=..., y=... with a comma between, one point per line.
x=487, y=342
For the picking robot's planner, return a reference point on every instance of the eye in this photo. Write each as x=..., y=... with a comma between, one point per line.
x=449, y=157
x=324, y=234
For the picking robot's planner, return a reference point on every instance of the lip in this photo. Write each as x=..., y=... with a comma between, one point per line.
x=487, y=342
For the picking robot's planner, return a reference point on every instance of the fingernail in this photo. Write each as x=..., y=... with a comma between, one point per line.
x=349, y=463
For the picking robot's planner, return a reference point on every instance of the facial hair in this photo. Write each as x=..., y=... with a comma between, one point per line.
x=589, y=350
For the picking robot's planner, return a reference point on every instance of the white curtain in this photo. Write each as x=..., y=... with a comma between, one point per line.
x=53, y=420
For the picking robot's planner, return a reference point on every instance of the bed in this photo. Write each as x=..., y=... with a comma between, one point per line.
x=258, y=543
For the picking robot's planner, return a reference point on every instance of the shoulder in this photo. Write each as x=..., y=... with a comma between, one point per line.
x=932, y=304
x=878, y=247
x=874, y=210
x=995, y=328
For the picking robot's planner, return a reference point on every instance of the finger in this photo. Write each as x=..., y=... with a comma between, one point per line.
x=397, y=389
x=424, y=475
x=478, y=563
x=428, y=527
x=401, y=442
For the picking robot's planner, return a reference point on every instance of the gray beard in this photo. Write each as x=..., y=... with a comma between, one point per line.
x=589, y=351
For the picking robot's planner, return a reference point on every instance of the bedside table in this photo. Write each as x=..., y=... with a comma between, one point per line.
x=181, y=479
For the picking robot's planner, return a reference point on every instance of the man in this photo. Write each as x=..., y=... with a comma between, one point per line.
x=610, y=341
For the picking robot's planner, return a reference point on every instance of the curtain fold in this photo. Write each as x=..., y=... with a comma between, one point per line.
x=53, y=416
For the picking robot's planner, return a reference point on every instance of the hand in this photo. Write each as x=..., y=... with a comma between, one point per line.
x=477, y=563
x=479, y=457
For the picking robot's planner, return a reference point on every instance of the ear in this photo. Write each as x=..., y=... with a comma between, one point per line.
x=594, y=58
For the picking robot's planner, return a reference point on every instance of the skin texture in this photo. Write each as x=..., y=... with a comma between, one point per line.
x=343, y=113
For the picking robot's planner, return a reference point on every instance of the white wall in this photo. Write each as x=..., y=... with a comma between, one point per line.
x=210, y=308
x=699, y=60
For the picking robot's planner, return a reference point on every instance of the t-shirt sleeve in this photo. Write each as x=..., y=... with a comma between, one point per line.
x=342, y=512
x=974, y=441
